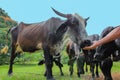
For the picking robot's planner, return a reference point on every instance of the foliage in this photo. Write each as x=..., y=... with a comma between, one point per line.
x=28, y=58
x=5, y=23
x=64, y=57
x=3, y=13
x=2, y=20
x=5, y=20
x=4, y=59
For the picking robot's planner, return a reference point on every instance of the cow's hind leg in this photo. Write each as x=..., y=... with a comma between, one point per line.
x=59, y=64
x=13, y=55
x=71, y=64
x=71, y=69
x=48, y=63
x=41, y=62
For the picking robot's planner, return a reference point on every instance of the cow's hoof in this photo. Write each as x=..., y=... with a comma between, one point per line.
x=92, y=78
x=97, y=76
x=10, y=74
x=78, y=75
x=51, y=79
x=62, y=74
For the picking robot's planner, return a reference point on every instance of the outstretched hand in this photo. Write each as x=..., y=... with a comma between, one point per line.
x=93, y=46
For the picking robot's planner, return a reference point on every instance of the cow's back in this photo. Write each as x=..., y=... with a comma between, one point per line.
x=32, y=36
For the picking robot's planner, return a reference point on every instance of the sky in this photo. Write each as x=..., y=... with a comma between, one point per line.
x=102, y=13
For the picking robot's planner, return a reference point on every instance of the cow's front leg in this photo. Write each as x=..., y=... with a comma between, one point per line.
x=48, y=63
x=97, y=73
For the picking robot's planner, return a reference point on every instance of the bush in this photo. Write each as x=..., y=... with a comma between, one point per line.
x=28, y=58
x=3, y=25
x=1, y=20
x=8, y=23
x=4, y=59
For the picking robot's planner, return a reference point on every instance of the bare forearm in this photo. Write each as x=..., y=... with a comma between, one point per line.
x=111, y=36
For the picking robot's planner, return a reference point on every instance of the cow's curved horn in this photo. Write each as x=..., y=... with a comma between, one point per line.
x=61, y=14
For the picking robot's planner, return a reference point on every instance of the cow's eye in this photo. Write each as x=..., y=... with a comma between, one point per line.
x=75, y=22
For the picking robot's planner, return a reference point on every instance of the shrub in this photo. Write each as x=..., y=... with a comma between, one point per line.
x=3, y=25
x=1, y=20
x=4, y=59
x=8, y=23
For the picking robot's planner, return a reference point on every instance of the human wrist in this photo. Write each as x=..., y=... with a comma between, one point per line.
x=98, y=43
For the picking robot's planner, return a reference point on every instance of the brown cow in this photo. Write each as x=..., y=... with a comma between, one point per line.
x=48, y=35
x=75, y=55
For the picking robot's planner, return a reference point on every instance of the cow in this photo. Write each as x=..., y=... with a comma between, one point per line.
x=48, y=35
x=105, y=51
x=75, y=56
x=89, y=54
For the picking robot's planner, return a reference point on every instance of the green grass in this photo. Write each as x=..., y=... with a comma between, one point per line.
x=35, y=72
x=116, y=67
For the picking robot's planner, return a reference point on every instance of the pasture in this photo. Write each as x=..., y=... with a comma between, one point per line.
x=34, y=72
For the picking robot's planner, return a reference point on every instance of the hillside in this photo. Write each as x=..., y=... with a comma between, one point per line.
x=5, y=20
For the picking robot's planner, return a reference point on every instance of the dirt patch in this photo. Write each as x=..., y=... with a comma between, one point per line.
x=115, y=76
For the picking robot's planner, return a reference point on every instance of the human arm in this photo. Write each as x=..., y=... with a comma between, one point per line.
x=111, y=36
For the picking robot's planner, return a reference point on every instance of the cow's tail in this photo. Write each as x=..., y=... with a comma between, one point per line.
x=8, y=33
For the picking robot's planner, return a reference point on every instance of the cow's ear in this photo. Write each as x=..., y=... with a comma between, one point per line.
x=62, y=28
x=86, y=19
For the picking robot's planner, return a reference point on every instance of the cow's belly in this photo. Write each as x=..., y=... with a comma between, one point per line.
x=28, y=47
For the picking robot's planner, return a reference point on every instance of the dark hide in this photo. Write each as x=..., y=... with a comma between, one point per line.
x=58, y=36
x=47, y=35
x=89, y=54
x=106, y=66
x=70, y=49
x=105, y=51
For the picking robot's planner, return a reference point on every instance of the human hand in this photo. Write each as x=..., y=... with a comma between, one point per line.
x=93, y=46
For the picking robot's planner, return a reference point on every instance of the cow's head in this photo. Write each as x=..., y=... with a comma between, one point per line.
x=105, y=50
x=76, y=26
x=89, y=54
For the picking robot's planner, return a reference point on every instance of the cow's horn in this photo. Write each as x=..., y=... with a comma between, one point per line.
x=61, y=14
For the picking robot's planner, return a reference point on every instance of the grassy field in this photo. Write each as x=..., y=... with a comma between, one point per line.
x=35, y=72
